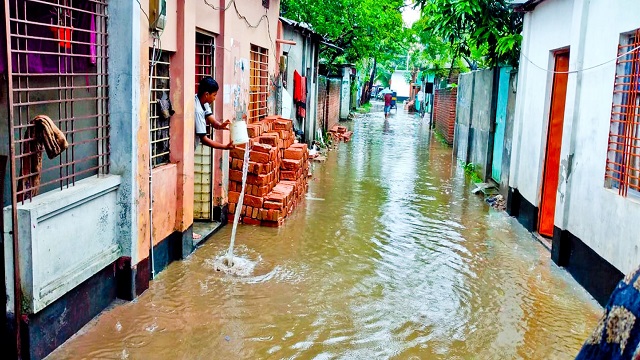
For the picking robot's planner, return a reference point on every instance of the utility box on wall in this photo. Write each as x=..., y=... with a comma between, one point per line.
x=158, y=14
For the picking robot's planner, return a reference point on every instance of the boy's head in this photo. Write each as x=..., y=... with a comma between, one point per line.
x=207, y=89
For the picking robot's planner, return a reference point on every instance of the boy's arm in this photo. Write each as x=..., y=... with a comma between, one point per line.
x=214, y=144
x=218, y=125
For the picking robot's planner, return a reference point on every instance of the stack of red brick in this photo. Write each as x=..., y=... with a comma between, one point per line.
x=339, y=133
x=277, y=173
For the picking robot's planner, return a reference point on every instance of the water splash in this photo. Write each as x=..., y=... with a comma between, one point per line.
x=228, y=263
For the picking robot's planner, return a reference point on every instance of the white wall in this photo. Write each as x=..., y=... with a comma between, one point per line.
x=399, y=84
x=601, y=218
x=546, y=29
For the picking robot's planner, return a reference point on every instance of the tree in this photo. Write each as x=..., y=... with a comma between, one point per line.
x=482, y=32
x=363, y=28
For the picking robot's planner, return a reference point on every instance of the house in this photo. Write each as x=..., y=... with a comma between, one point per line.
x=78, y=226
x=575, y=168
x=300, y=75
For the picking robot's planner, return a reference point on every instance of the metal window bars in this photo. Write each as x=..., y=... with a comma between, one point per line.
x=623, y=159
x=259, y=82
x=205, y=49
x=160, y=85
x=203, y=159
x=58, y=68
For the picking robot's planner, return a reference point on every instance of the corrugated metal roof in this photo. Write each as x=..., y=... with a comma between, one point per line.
x=525, y=5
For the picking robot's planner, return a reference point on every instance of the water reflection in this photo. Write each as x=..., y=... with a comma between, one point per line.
x=390, y=258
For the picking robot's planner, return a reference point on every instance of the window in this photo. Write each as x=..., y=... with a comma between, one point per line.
x=205, y=50
x=259, y=80
x=623, y=158
x=59, y=69
x=159, y=137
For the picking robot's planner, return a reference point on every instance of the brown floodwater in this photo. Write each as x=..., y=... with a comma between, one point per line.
x=389, y=257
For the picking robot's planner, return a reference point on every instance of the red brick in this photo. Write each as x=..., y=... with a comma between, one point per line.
x=253, y=201
x=290, y=164
x=259, y=157
x=302, y=146
x=234, y=197
x=293, y=153
x=288, y=175
x=250, y=221
x=232, y=208
x=261, y=148
x=269, y=140
x=237, y=153
x=283, y=124
x=255, y=213
x=254, y=130
x=272, y=205
x=235, y=175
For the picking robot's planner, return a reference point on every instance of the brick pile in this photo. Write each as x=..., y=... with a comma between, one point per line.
x=277, y=176
x=340, y=133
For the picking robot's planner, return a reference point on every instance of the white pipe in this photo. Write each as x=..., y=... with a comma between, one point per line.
x=153, y=65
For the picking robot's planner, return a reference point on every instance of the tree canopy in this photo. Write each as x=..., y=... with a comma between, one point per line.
x=482, y=32
x=363, y=28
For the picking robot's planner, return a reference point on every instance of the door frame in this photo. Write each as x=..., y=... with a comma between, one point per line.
x=547, y=136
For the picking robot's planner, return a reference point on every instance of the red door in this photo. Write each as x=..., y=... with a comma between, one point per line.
x=554, y=143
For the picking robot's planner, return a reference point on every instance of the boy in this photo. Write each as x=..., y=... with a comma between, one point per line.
x=207, y=92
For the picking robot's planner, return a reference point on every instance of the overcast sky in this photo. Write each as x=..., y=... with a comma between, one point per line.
x=409, y=14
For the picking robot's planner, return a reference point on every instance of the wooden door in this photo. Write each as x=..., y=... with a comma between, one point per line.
x=554, y=143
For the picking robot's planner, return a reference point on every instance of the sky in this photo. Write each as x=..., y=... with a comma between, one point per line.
x=409, y=15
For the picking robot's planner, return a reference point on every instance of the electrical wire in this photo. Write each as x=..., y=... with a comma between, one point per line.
x=581, y=70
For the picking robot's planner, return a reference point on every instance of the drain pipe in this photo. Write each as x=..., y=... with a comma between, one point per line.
x=17, y=283
x=152, y=67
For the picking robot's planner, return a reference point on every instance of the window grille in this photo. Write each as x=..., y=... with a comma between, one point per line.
x=59, y=69
x=205, y=50
x=203, y=156
x=623, y=158
x=259, y=80
x=159, y=126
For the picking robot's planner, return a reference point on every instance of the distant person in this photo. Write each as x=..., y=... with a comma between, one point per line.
x=387, y=104
x=419, y=101
x=617, y=335
x=207, y=92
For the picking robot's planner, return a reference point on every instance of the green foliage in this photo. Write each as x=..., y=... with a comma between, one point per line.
x=363, y=28
x=482, y=32
x=470, y=170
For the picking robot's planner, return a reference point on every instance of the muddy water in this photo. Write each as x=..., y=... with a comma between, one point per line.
x=389, y=257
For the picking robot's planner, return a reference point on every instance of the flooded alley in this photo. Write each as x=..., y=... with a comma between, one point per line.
x=390, y=256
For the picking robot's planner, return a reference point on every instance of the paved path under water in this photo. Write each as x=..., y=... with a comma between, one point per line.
x=390, y=257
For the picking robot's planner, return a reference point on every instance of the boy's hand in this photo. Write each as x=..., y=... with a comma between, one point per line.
x=225, y=125
x=229, y=146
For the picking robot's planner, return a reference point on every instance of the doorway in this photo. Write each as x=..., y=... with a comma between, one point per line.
x=203, y=157
x=551, y=173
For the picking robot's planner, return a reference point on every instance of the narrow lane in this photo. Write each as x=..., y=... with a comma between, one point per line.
x=390, y=256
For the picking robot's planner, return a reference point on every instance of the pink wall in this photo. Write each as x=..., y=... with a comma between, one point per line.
x=173, y=184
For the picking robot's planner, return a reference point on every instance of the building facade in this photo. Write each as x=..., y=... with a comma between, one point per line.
x=79, y=226
x=575, y=157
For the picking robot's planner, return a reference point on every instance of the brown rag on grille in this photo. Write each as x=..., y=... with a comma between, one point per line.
x=44, y=134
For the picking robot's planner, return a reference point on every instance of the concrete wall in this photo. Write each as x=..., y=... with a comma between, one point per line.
x=508, y=133
x=400, y=85
x=598, y=216
x=345, y=93
x=546, y=29
x=481, y=118
x=302, y=57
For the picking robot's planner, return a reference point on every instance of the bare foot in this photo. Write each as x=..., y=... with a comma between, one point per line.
x=197, y=236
